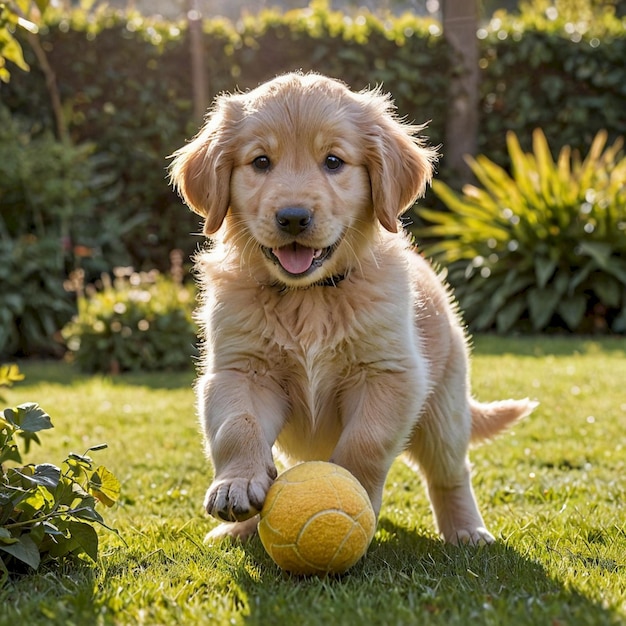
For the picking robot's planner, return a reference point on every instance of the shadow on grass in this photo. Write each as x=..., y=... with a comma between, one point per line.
x=52, y=596
x=408, y=578
x=61, y=373
x=545, y=345
x=405, y=579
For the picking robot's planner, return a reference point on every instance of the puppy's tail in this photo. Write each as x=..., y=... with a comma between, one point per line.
x=490, y=419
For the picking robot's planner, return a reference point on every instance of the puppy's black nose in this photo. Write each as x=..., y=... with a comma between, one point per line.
x=293, y=220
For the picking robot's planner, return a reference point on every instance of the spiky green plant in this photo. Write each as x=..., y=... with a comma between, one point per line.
x=542, y=247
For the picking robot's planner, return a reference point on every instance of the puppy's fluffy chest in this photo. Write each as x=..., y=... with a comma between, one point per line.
x=319, y=345
x=313, y=343
x=317, y=329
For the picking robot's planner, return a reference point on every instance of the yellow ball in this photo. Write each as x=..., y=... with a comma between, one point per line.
x=317, y=519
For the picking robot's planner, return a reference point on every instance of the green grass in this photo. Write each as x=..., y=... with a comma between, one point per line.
x=553, y=491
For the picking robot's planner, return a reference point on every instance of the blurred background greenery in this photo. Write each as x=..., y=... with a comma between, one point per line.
x=112, y=90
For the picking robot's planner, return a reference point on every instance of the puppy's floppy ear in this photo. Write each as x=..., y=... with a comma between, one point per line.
x=201, y=169
x=399, y=165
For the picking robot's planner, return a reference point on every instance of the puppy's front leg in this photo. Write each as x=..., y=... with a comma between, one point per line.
x=378, y=414
x=242, y=415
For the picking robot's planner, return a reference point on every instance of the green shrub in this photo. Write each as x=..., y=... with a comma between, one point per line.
x=138, y=321
x=33, y=303
x=50, y=223
x=544, y=246
x=46, y=512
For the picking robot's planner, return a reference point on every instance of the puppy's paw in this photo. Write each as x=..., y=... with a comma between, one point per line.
x=238, y=499
x=479, y=536
x=239, y=531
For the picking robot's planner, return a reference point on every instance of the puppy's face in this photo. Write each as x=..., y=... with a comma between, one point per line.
x=299, y=173
x=300, y=187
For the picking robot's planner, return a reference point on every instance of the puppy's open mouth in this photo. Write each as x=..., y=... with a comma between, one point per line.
x=297, y=260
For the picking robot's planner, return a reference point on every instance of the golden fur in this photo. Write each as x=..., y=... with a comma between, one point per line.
x=325, y=334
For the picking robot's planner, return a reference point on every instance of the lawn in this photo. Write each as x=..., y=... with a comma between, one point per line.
x=552, y=490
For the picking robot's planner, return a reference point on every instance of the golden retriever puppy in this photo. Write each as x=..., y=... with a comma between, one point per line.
x=325, y=334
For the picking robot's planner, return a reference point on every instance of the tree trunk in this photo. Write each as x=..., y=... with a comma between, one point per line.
x=460, y=22
x=198, y=65
x=52, y=87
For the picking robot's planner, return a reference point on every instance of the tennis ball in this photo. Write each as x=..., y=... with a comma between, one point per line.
x=317, y=519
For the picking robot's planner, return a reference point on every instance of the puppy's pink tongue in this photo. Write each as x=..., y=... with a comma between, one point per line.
x=294, y=258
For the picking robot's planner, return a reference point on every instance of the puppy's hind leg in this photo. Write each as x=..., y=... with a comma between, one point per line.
x=439, y=447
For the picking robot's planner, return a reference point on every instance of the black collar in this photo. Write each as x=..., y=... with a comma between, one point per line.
x=331, y=281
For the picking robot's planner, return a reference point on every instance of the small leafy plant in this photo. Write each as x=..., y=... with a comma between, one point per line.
x=46, y=512
x=137, y=321
x=541, y=248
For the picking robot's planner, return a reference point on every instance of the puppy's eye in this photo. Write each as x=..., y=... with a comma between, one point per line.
x=261, y=163
x=333, y=163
